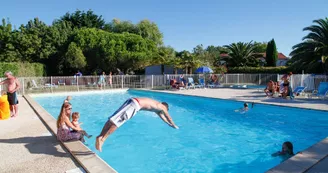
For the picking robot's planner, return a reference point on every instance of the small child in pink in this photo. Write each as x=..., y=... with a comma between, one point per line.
x=75, y=122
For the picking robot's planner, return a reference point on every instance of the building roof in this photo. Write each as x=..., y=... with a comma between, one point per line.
x=281, y=56
x=224, y=55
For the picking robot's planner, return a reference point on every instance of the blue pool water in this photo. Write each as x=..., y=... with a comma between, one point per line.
x=212, y=137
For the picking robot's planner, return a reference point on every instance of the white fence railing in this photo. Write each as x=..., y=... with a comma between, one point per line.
x=70, y=83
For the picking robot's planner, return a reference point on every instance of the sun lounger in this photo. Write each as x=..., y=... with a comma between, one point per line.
x=35, y=86
x=92, y=84
x=73, y=82
x=322, y=91
x=298, y=90
x=61, y=82
x=192, y=83
x=201, y=83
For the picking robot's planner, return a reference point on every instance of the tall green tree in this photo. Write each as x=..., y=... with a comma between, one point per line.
x=119, y=26
x=8, y=51
x=312, y=54
x=214, y=54
x=81, y=19
x=145, y=28
x=149, y=30
x=81, y=40
x=60, y=36
x=108, y=51
x=260, y=47
x=165, y=55
x=241, y=55
x=271, y=54
x=31, y=41
x=202, y=55
x=75, y=58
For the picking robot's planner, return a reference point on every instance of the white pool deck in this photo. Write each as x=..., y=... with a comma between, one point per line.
x=28, y=144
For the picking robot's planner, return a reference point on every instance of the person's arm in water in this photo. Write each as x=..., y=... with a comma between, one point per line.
x=278, y=153
x=238, y=110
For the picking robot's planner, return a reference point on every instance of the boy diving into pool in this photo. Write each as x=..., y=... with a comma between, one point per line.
x=128, y=110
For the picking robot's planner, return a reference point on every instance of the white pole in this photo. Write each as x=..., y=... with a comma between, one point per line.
x=51, y=84
x=302, y=78
x=226, y=76
x=77, y=83
x=238, y=78
x=152, y=81
x=278, y=79
x=23, y=86
x=260, y=79
x=122, y=81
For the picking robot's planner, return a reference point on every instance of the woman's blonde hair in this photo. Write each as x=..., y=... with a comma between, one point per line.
x=75, y=115
x=62, y=113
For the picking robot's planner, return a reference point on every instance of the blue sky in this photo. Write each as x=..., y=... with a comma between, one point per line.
x=187, y=23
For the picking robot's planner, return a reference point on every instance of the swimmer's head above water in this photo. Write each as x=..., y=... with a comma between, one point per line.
x=246, y=105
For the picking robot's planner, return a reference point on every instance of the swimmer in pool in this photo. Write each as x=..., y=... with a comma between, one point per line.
x=245, y=108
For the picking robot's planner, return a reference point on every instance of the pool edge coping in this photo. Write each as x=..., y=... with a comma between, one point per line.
x=89, y=160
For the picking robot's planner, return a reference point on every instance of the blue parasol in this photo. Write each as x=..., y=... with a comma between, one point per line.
x=204, y=69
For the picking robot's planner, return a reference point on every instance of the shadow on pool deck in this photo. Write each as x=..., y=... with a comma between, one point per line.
x=37, y=145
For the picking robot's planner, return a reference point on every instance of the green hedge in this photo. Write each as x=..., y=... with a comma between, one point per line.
x=280, y=69
x=22, y=69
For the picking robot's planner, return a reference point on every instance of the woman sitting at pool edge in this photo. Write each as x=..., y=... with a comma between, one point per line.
x=64, y=124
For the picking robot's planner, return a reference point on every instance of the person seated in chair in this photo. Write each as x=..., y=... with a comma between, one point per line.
x=277, y=87
x=286, y=85
x=176, y=84
x=183, y=82
x=213, y=80
x=269, y=90
x=210, y=79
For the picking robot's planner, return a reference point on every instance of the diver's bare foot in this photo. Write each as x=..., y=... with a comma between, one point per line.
x=99, y=143
x=13, y=115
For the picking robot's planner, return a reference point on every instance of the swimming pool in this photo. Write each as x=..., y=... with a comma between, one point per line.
x=212, y=137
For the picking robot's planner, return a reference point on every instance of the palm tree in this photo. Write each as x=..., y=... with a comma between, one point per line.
x=241, y=54
x=313, y=51
x=188, y=61
x=165, y=55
